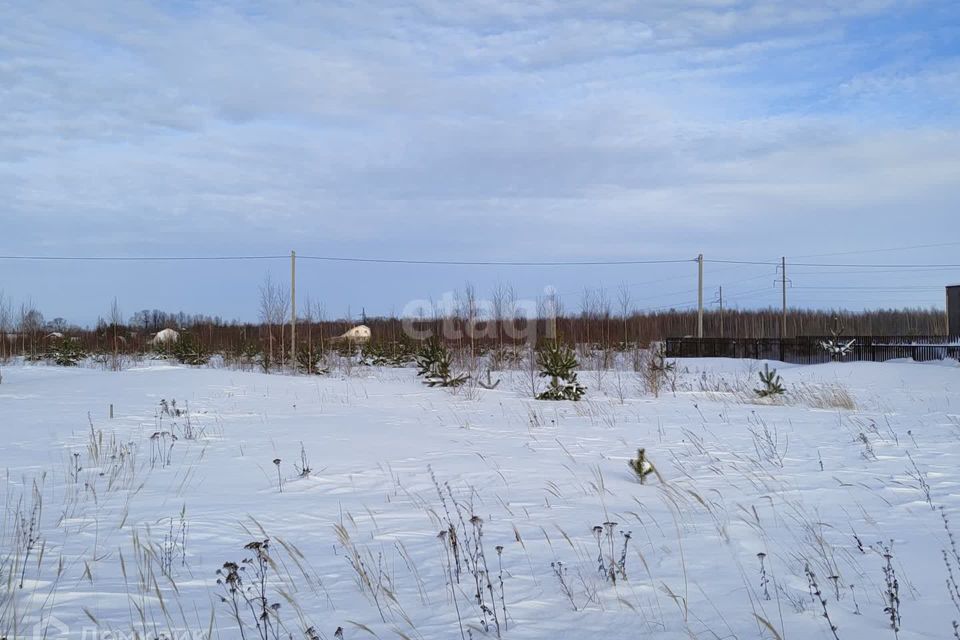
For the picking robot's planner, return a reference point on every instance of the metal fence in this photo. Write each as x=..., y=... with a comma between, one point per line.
x=812, y=350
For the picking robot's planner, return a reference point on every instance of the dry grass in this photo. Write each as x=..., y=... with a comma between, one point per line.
x=739, y=389
x=822, y=396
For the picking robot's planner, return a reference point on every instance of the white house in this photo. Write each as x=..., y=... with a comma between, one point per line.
x=165, y=337
x=360, y=333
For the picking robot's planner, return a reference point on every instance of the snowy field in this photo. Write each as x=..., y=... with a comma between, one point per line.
x=121, y=528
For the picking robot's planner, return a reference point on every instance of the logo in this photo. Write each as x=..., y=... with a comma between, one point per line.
x=50, y=629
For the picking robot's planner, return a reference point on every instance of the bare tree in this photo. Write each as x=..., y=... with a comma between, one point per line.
x=470, y=312
x=623, y=297
x=497, y=300
x=550, y=309
x=6, y=320
x=313, y=314
x=282, y=313
x=603, y=310
x=29, y=324
x=116, y=320
x=6, y=316
x=320, y=313
x=274, y=303
x=510, y=313
x=587, y=311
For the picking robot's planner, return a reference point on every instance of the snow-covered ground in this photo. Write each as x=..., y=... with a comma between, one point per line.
x=113, y=525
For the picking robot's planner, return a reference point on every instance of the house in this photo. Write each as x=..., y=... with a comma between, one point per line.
x=165, y=337
x=358, y=334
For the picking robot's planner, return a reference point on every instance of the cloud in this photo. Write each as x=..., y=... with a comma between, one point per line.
x=546, y=129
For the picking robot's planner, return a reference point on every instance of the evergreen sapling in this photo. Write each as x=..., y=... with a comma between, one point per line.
x=435, y=363
x=640, y=466
x=772, y=384
x=559, y=363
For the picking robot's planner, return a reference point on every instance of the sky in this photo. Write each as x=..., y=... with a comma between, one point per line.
x=825, y=131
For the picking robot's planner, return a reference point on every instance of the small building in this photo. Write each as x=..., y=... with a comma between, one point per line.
x=953, y=310
x=164, y=338
x=358, y=334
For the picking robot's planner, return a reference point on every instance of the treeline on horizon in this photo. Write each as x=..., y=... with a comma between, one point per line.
x=28, y=333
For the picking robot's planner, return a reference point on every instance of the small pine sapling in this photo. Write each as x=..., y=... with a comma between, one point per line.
x=309, y=359
x=658, y=370
x=640, y=466
x=67, y=352
x=559, y=363
x=189, y=350
x=837, y=347
x=772, y=383
x=435, y=364
x=387, y=354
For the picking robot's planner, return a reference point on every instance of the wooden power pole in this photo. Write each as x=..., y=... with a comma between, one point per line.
x=700, y=296
x=293, y=309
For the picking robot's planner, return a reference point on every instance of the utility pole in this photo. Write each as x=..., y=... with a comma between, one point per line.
x=293, y=310
x=720, y=299
x=700, y=296
x=783, y=273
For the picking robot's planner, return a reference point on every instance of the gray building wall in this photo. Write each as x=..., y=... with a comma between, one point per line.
x=953, y=310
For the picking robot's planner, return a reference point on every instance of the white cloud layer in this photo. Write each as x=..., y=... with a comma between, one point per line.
x=477, y=129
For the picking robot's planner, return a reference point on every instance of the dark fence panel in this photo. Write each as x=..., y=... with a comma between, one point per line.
x=810, y=349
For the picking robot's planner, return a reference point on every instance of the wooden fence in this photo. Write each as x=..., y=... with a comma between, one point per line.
x=811, y=350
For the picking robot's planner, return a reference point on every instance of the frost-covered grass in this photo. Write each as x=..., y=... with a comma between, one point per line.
x=392, y=505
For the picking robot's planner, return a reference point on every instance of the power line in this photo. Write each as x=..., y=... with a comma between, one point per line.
x=876, y=266
x=767, y=263
x=491, y=263
x=136, y=258
x=680, y=306
x=908, y=248
x=873, y=272
x=838, y=265
x=752, y=292
x=498, y=263
x=869, y=288
x=480, y=263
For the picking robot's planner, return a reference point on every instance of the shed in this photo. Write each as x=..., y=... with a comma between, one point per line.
x=953, y=310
